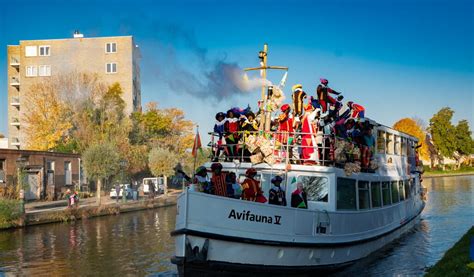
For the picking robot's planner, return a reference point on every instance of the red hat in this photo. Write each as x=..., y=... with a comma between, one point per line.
x=285, y=107
x=324, y=81
x=250, y=171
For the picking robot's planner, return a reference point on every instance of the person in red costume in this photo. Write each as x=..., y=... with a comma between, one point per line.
x=285, y=127
x=323, y=91
x=231, y=128
x=308, y=130
x=251, y=187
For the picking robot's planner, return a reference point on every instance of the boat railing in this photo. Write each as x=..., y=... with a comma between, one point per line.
x=276, y=148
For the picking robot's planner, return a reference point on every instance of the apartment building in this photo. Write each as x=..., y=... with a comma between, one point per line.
x=114, y=59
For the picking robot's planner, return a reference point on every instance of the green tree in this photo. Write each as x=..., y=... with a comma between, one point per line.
x=101, y=161
x=443, y=132
x=162, y=161
x=463, y=138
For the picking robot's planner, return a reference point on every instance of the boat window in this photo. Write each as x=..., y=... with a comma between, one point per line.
x=404, y=146
x=401, y=190
x=381, y=142
x=411, y=150
x=316, y=187
x=407, y=189
x=387, y=200
x=364, y=201
x=413, y=187
x=346, y=194
x=389, y=144
x=394, y=186
x=376, y=194
x=397, y=145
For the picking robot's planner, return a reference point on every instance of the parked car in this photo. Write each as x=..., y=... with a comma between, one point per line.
x=128, y=191
x=158, y=182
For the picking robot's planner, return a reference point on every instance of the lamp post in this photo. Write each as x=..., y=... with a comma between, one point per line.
x=20, y=163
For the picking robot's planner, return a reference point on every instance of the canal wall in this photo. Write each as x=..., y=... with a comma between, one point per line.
x=90, y=211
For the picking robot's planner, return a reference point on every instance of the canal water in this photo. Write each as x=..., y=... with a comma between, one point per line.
x=139, y=243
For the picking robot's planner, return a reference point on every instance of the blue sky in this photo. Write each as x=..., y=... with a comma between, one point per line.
x=396, y=58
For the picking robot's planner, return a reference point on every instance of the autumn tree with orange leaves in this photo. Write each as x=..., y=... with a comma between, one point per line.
x=412, y=127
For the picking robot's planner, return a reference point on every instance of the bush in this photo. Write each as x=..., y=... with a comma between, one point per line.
x=9, y=212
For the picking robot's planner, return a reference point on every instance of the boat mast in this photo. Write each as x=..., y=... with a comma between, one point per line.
x=264, y=111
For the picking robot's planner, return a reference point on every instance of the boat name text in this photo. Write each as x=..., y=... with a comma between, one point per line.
x=249, y=216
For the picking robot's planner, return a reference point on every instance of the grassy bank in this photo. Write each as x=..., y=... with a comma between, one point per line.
x=429, y=172
x=455, y=261
x=10, y=213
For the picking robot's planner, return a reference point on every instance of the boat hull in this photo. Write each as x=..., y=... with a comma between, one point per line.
x=211, y=246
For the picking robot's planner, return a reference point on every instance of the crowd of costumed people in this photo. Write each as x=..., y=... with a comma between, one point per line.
x=311, y=130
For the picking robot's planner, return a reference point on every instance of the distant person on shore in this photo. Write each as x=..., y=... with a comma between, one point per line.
x=276, y=196
x=298, y=197
x=117, y=192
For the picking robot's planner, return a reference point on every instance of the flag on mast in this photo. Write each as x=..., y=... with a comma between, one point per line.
x=197, y=144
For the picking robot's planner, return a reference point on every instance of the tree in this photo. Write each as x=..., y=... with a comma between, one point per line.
x=47, y=117
x=412, y=127
x=443, y=132
x=101, y=161
x=463, y=138
x=162, y=161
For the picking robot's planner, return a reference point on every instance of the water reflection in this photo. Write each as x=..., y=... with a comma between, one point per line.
x=139, y=243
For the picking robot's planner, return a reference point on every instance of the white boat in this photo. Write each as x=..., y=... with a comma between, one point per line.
x=348, y=216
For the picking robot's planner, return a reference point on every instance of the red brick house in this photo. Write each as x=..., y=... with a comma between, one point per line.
x=48, y=173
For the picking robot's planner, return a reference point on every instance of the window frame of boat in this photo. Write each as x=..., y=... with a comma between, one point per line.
x=404, y=146
x=389, y=188
x=284, y=184
x=368, y=194
x=389, y=143
x=401, y=191
x=381, y=144
x=356, y=194
x=406, y=185
x=392, y=183
x=397, y=145
x=373, y=184
x=318, y=176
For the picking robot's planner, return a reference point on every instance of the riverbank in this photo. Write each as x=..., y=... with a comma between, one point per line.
x=463, y=171
x=58, y=212
x=456, y=261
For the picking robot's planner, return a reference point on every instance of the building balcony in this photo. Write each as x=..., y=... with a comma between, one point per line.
x=15, y=142
x=15, y=62
x=14, y=81
x=15, y=122
x=15, y=102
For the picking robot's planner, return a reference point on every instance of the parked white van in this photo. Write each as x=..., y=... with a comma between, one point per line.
x=158, y=182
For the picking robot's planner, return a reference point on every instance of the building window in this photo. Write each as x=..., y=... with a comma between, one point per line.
x=44, y=70
x=111, y=68
x=364, y=201
x=3, y=167
x=31, y=71
x=316, y=187
x=44, y=50
x=376, y=193
x=31, y=51
x=346, y=194
x=111, y=47
x=386, y=193
x=394, y=186
x=67, y=173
